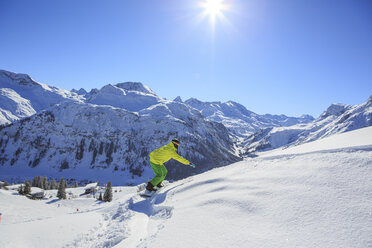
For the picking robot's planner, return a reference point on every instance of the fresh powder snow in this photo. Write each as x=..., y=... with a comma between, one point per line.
x=313, y=195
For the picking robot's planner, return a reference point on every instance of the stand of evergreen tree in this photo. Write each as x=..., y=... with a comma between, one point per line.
x=53, y=184
x=61, y=194
x=27, y=189
x=100, y=197
x=107, y=197
x=41, y=182
x=44, y=183
x=20, y=190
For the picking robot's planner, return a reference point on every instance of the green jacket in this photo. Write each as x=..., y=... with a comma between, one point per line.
x=165, y=153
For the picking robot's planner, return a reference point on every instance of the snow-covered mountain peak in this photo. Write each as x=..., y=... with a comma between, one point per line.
x=338, y=118
x=239, y=120
x=308, y=117
x=16, y=78
x=192, y=101
x=178, y=99
x=135, y=86
x=206, y=108
x=369, y=101
x=81, y=92
x=130, y=96
x=110, y=89
x=238, y=108
x=94, y=91
x=335, y=109
x=22, y=96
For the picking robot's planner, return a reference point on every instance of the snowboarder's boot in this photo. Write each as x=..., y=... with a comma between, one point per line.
x=159, y=185
x=150, y=187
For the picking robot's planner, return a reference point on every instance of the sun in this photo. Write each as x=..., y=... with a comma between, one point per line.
x=214, y=9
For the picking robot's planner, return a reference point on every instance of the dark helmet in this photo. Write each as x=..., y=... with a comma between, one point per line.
x=175, y=142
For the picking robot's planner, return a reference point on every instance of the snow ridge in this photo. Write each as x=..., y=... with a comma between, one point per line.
x=240, y=121
x=338, y=118
x=21, y=96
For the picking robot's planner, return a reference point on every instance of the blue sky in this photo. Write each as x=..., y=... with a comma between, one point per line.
x=288, y=57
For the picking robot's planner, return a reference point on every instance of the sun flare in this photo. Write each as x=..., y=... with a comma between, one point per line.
x=213, y=7
x=214, y=10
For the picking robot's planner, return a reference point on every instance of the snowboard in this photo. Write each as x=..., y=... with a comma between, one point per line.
x=145, y=193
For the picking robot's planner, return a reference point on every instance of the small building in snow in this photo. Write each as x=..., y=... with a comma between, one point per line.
x=91, y=188
x=37, y=195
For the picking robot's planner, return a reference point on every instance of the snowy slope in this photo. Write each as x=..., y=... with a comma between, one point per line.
x=21, y=96
x=13, y=106
x=241, y=121
x=338, y=118
x=357, y=139
x=308, y=199
x=50, y=222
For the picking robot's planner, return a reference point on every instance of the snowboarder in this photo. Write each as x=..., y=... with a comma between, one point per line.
x=157, y=159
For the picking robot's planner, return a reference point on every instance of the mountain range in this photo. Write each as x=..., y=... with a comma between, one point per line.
x=338, y=118
x=109, y=132
x=239, y=120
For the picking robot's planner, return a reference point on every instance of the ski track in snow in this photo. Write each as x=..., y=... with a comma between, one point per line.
x=151, y=216
x=128, y=224
x=109, y=232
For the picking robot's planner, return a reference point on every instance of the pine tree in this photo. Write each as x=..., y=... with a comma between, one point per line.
x=53, y=184
x=76, y=185
x=61, y=194
x=41, y=183
x=38, y=182
x=45, y=183
x=27, y=189
x=34, y=182
x=100, y=197
x=108, y=193
x=20, y=190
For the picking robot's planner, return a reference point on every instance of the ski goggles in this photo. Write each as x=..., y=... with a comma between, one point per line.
x=176, y=143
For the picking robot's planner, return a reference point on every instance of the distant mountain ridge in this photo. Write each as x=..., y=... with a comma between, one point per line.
x=21, y=96
x=111, y=130
x=241, y=121
x=338, y=118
